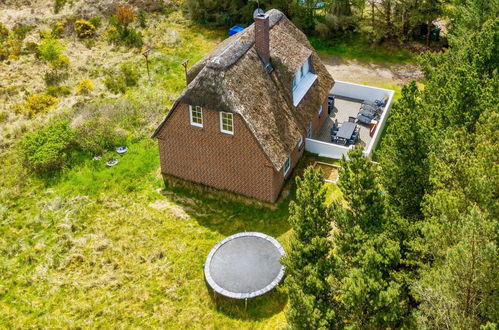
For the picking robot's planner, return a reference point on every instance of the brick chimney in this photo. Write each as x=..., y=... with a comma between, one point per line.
x=262, y=39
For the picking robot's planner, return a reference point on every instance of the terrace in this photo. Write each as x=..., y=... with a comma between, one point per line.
x=349, y=99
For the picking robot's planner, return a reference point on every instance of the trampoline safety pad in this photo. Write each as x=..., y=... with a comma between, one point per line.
x=244, y=265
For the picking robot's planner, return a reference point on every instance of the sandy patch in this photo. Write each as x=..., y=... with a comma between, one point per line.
x=371, y=73
x=176, y=210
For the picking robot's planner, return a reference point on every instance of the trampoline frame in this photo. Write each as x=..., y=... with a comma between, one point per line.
x=239, y=295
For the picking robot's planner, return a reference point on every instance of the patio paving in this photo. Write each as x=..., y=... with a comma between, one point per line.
x=343, y=108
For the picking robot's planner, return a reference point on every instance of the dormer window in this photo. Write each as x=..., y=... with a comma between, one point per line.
x=196, y=115
x=302, y=81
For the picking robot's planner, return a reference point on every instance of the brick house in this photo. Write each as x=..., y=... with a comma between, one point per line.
x=241, y=122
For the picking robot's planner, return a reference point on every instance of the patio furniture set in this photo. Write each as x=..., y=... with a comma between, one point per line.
x=347, y=133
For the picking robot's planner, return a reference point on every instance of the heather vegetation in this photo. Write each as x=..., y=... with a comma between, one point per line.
x=409, y=241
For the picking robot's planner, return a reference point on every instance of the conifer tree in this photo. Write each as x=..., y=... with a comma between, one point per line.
x=404, y=155
x=307, y=262
x=366, y=255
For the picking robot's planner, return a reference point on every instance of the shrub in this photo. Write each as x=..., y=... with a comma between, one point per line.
x=115, y=84
x=46, y=149
x=31, y=47
x=58, y=4
x=62, y=62
x=85, y=86
x=57, y=91
x=124, y=16
x=84, y=29
x=54, y=77
x=96, y=21
x=39, y=103
x=4, y=32
x=20, y=31
x=57, y=29
x=50, y=49
x=127, y=77
x=141, y=18
x=132, y=38
x=130, y=74
x=336, y=27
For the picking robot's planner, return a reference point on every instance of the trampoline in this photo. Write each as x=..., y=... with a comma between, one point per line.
x=244, y=265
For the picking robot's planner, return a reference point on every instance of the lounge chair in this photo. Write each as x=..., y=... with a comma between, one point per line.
x=363, y=119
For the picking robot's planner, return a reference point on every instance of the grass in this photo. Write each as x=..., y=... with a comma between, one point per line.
x=94, y=246
x=114, y=247
x=359, y=49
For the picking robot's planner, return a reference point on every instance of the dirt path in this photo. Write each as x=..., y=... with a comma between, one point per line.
x=383, y=74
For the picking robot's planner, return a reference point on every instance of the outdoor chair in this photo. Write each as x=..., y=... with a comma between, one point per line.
x=363, y=119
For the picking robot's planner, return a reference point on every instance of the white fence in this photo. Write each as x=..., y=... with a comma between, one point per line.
x=359, y=92
x=326, y=149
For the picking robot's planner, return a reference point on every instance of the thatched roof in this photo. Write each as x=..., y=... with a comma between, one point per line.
x=232, y=78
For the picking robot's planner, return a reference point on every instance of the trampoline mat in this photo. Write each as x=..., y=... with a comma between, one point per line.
x=246, y=265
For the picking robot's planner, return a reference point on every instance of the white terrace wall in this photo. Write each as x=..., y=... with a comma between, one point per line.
x=359, y=92
x=326, y=149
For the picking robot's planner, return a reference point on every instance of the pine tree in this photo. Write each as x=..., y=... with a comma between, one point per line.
x=307, y=263
x=404, y=155
x=365, y=253
x=359, y=186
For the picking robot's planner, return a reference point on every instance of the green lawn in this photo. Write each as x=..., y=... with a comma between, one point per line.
x=112, y=247
x=92, y=246
x=358, y=49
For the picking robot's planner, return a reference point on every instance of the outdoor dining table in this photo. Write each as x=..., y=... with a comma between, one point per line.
x=346, y=130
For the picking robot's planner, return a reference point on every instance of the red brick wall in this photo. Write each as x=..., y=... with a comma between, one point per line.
x=206, y=155
x=229, y=162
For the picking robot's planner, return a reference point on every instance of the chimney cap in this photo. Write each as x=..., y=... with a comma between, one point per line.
x=258, y=13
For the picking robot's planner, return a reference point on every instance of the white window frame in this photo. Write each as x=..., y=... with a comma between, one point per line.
x=221, y=122
x=191, y=110
x=309, y=131
x=303, y=79
x=300, y=142
x=288, y=161
x=320, y=110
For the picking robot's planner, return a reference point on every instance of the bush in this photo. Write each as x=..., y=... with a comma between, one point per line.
x=57, y=91
x=57, y=29
x=130, y=74
x=50, y=49
x=58, y=4
x=84, y=29
x=4, y=32
x=54, y=77
x=127, y=77
x=141, y=18
x=20, y=31
x=85, y=86
x=115, y=84
x=132, y=38
x=96, y=21
x=124, y=15
x=46, y=149
x=336, y=27
x=39, y=103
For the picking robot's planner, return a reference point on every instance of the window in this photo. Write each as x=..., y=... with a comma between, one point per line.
x=196, y=114
x=309, y=131
x=287, y=165
x=226, y=123
x=303, y=80
x=300, y=142
x=320, y=110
